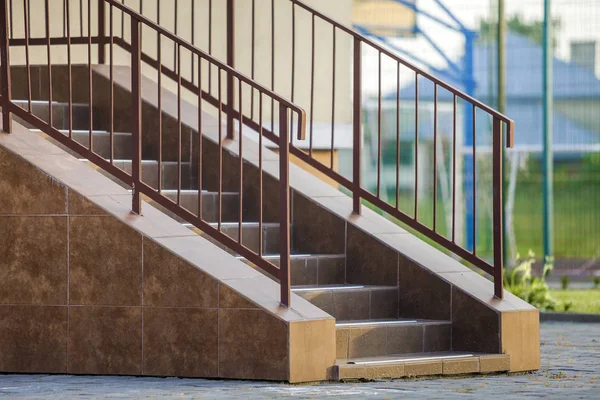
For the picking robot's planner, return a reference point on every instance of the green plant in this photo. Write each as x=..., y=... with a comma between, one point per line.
x=596, y=281
x=534, y=290
x=564, y=282
x=567, y=305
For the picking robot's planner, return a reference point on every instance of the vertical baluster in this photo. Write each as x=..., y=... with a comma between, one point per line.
x=416, y=145
x=27, y=60
x=179, y=142
x=241, y=162
x=200, y=158
x=312, y=85
x=474, y=181
x=397, y=136
x=220, y=182
x=136, y=115
x=293, y=66
x=284, y=207
x=102, y=31
x=11, y=20
x=47, y=25
x=454, y=169
x=357, y=127
x=81, y=18
x=333, y=102
x=231, y=63
x=272, y=63
x=252, y=57
x=210, y=11
x=160, y=112
x=193, y=5
x=498, y=209
x=90, y=73
x=112, y=83
x=5, y=70
x=69, y=65
x=260, y=174
x=379, y=126
x=435, y=140
x=175, y=23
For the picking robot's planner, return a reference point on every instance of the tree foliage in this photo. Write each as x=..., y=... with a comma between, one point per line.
x=533, y=30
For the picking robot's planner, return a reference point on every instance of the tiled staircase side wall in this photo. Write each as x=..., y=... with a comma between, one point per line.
x=85, y=293
x=431, y=285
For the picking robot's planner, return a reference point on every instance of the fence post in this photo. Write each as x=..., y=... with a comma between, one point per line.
x=101, y=32
x=5, y=70
x=231, y=63
x=357, y=127
x=136, y=115
x=498, y=210
x=284, y=206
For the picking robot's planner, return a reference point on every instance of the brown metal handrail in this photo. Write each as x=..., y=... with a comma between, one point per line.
x=500, y=123
x=286, y=111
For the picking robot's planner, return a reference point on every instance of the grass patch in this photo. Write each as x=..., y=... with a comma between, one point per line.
x=583, y=301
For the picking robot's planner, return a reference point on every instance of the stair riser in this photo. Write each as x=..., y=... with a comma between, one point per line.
x=383, y=340
x=355, y=304
x=101, y=144
x=169, y=174
x=60, y=114
x=210, y=208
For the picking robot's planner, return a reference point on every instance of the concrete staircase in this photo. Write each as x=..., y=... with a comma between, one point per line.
x=373, y=339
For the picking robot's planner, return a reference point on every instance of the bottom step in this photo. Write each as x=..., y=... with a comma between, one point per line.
x=420, y=364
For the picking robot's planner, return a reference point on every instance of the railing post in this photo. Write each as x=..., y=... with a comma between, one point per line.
x=136, y=115
x=231, y=63
x=5, y=70
x=498, y=209
x=101, y=32
x=284, y=206
x=357, y=127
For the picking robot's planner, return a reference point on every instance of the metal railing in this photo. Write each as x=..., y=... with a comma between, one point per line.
x=206, y=84
x=280, y=22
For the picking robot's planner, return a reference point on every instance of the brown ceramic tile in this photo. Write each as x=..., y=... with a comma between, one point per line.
x=461, y=366
x=475, y=327
x=384, y=304
x=403, y=339
x=351, y=305
x=33, y=339
x=368, y=261
x=521, y=339
x=252, y=345
x=321, y=299
x=366, y=342
x=181, y=342
x=304, y=271
x=170, y=281
x=315, y=229
x=341, y=342
x=79, y=205
x=33, y=251
x=312, y=349
x=437, y=338
x=422, y=294
x=332, y=270
x=105, y=262
x=423, y=368
x=228, y=298
x=374, y=372
x=494, y=363
x=105, y=340
x=24, y=189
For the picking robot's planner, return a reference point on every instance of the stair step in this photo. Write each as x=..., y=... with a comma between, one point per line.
x=420, y=364
x=353, y=302
x=375, y=338
x=150, y=173
x=101, y=142
x=60, y=113
x=250, y=237
x=188, y=199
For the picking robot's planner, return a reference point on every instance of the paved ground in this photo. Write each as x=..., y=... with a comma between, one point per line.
x=570, y=369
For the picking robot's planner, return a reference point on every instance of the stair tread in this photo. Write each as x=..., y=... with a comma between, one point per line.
x=386, y=322
x=410, y=357
x=317, y=288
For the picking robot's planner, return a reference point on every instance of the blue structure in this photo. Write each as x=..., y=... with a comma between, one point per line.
x=573, y=85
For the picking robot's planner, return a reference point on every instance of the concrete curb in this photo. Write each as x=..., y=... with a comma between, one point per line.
x=569, y=317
